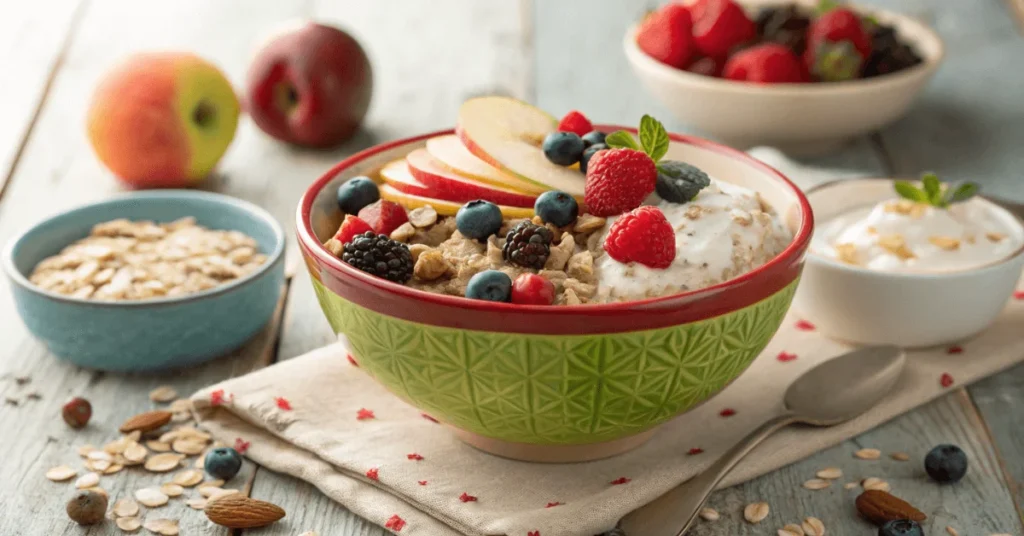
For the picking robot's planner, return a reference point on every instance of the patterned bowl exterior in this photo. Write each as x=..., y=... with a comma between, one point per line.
x=555, y=389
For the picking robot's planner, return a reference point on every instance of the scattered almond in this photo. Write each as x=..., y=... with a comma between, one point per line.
x=88, y=480
x=126, y=508
x=830, y=473
x=900, y=456
x=187, y=478
x=61, y=473
x=151, y=497
x=946, y=243
x=164, y=393
x=816, y=484
x=161, y=526
x=875, y=484
x=756, y=512
x=128, y=524
x=161, y=463
x=709, y=514
x=240, y=512
x=879, y=506
x=171, y=490
x=868, y=454
x=145, y=422
x=813, y=526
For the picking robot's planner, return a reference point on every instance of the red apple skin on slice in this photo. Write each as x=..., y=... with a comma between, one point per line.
x=451, y=154
x=397, y=175
x=443, y=206
x=448, y=185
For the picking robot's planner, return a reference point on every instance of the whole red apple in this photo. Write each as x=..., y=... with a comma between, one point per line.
x=310, y=86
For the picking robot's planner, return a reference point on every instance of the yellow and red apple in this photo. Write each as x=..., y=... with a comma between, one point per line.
x=162, y=119
x=310, y=85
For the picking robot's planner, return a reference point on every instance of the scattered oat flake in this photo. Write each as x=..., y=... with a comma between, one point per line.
x=126, y=507
x=217, y=493
x=99, y=490
x=135, y=453
x=129, y=523
x=151, y=497
x=813, y=526
x=955, y=350
x=414, y=456
x=756, y=512
x=161, y=463
x=61, y=473
x=785, y=357
x=162, y=526
x=791, y=529
x=816, y=484
x=364, y=414
x=372, y=474
x=187, y=478
x=212, y=484
x=709, y=514
x=171, y=490
x=850, y=485
x=804, y=325
x=868, y=454
x=84, y=450
x=952, y=531
x=114, y=468
x=900, y=456
x=100, y=455
x=694, y=451
x=422, y=482
x=158, y=446
x=351, y=360
x=830, y=473
x=310, y=533
x=164, y=393
x=196, y=504
x=241, y=445
x=87, y=480
x=946, y=379
x=465, y=497
x=875, y=483
x=189, y=446
x=619, y=481
x=429, y=418
x=395, y=523
x=727, y=412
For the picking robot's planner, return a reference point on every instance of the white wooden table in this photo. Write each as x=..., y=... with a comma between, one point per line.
x=428, y=57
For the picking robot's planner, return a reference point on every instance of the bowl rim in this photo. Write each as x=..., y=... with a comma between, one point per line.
x=310, y=243
x=816, y=257
x=273, y=258
x=889, y=81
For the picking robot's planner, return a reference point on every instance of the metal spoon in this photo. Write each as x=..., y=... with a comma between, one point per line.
x=830, y=393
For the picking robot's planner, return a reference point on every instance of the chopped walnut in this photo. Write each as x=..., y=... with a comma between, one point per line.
x=568, y=297
x=995, y=237
x=906, y=207
x=418, y=249
x=847, y=253
x=423, y=217
x=560, y=254
x=404, y=232
x=430, y=265
x=581, y=266
x=335, y=247
x=946, y=243
x=588, y=223
x=895, y=244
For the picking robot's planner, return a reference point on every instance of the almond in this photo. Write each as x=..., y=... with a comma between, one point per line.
x=145, y=422
x=238, y=512
x=878, y=507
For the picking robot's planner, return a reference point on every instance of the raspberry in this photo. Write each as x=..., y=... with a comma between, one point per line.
x=380, y=256
x=576, y=122
x=643, y=236
x=837, y=46
x=351, y=227
x=532, y=289
x=618, y=180
x=769, y=63
x=383, y=216
x=665, y=35
x=719, y=26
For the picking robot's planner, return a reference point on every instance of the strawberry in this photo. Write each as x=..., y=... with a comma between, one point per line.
x=618, y=180
x=383, y=216
x=707, y=66
x=769, y=63
x=532, y=289
x=643, y=236
x=575, y=121
x=351, y=227
x=719, y=26
x=665, y=35
x=837, y=46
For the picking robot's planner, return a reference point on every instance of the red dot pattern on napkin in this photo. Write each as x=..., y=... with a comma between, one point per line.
x=217, y=397
x=351, y=360
x=533, y=533
x=1019, y=295
x=429, y=418
x=955, y=350
x=695, y=451
x=241, y=445
x=372, y=474
x=804, y=325
x=364, y=414
x=465, y=497
x=414, y=456
x=946, y=379
x=422, y=482
x=620, y=481
x=283, y=403
x=553, y=504
x=395, y=523
x=785, y=357
x=727, y=412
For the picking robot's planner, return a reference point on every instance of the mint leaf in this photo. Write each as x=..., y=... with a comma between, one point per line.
x=909, y=191
x=653, y=137
x=958, y=193
x=824, y=6
x=932, y=188
x=621, y=139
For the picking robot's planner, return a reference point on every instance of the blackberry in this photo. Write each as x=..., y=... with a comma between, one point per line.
x=786, y=26
x=888, y=54
x=379, y=255
x=528, y=245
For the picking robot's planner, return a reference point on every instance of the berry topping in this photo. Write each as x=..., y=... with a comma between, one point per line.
x=223, y=463
x=588, y=153
x=556, y=208
x=643, y=236
x=785, y=25
x=769, y=63
x=665, y=35
x=618, y=180
x=593, y=137
x=356, y=193
x=380, y=256
x=719, y=26
x=532, y=289
x=707, y=66
x=478, y=219
x=679, y=182
x=384, y=216
x=837, y=46
x=888, y=54
x=527, y=245
x=901, y=527
x=576, y=123
x=490, y=285
x=351, y=227
x=563, y=148
x=946, y=463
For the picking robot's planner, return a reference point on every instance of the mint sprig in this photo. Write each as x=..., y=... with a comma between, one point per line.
x=933, y=192
x=654, y=139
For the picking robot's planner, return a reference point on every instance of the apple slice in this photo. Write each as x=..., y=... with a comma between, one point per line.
x=443, y=206
x=451, y=154
x=507, y=134
x=448, y=185
x=397, y=174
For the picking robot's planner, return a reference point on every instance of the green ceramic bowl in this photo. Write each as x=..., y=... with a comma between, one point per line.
x=555, y=383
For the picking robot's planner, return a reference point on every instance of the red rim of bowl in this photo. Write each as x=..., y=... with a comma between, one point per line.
x=781, y=266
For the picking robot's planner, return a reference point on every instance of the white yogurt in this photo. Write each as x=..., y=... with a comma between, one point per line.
x=722, y=233
x=901, y=236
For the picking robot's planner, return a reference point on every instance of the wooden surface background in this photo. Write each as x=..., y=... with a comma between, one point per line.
x=428, y=57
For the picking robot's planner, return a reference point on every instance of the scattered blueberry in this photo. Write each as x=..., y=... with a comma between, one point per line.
x=593, y=138
x=563, y=148
x=490, y=285
x=901, y=527
x=478, y=219
x=946, y=463
x=588, y=153
x=223, y=463
x=356, y=194
x=679, y=182
x=556, y=208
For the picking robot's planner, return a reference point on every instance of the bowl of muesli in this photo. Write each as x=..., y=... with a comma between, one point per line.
x=148, y=280
x=572, y=299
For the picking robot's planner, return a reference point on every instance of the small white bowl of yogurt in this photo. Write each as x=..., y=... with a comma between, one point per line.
x=886, y=270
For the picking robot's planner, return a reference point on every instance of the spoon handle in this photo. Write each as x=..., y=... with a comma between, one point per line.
x=674, y=512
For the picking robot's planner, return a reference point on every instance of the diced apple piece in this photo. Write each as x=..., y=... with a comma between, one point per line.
x=507, y=134
x=442, y=206
x=453, y=155
x=450, y=186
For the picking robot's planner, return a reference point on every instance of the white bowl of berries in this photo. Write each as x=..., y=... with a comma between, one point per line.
x=776, y=72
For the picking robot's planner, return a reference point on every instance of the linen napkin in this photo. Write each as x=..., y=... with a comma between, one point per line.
x=319, y=418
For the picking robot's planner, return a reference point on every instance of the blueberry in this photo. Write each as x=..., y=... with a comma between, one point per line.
x=557, y=208
x=588, y=154
x=901, y=527
x=223, y=463
x=679, y=182
x=490, y=285
x=478, y=219
x=593, y=137
x=356, y=194
x=563, y=148
x=946, y=463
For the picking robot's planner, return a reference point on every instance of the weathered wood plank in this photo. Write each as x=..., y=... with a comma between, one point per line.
x=999, y=400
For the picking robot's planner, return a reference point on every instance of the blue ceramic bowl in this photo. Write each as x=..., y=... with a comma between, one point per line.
x=158, y=333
